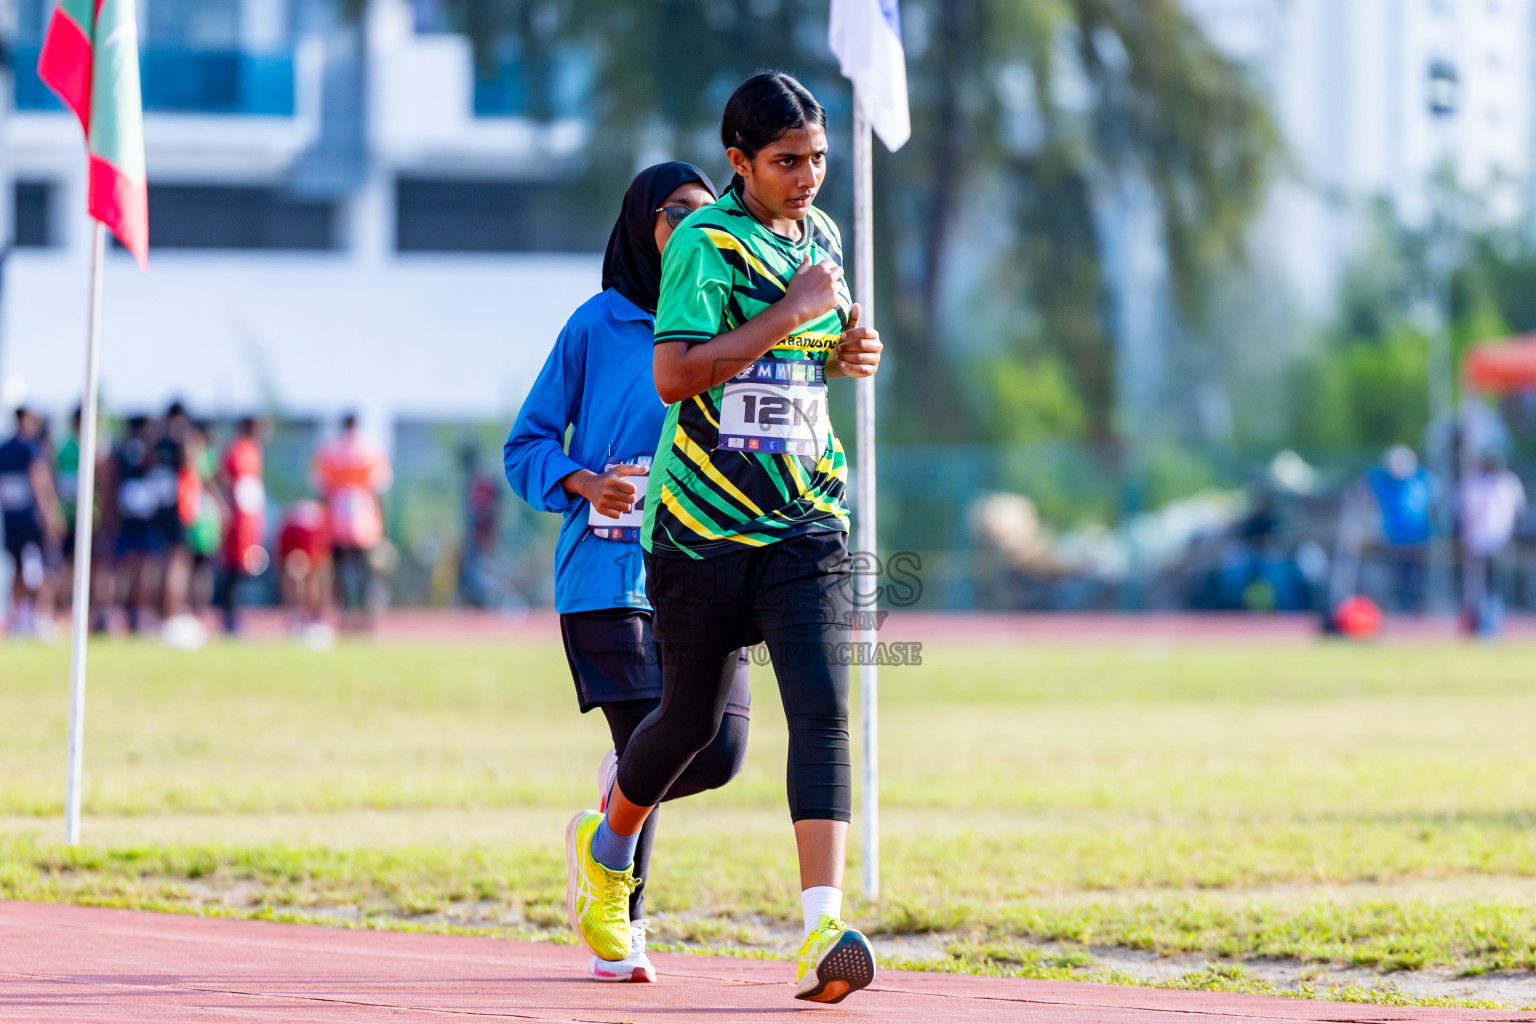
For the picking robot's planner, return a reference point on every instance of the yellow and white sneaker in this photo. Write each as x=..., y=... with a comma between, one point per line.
x=596, y=897
x=635, y=967
x=835, y=961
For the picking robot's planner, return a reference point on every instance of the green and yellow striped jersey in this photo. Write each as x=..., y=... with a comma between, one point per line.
x=721, y=268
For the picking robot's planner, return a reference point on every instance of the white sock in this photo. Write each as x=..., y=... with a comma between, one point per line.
x=818, y=900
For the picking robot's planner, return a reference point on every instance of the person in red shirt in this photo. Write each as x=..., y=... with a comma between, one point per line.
x=240, y=478
x=350, y=472
x=304, y=560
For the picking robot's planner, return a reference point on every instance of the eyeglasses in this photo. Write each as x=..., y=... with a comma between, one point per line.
x=675, y=214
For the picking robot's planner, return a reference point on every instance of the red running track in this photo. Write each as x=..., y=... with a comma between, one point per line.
x=61, y=963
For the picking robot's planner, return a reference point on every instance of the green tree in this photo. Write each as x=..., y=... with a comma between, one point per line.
x=1369, y=382
x=1363, y=392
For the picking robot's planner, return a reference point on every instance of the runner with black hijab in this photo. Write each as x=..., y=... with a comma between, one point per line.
x=597, y=383
x=746, y=528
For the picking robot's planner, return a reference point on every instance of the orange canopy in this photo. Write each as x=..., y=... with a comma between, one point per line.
x=1508, y=365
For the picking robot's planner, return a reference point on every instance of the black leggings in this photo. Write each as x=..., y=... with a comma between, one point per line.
x=796, y=596
x=711, y=768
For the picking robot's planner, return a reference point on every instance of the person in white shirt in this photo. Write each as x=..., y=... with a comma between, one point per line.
x=1492, y=501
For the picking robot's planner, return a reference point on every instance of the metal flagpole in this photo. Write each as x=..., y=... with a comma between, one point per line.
x=864, y=390
x=85, y=503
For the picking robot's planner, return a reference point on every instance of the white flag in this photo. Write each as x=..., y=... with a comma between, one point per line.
x=865, y=35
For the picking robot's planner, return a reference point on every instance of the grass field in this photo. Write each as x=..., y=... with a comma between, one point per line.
x=1329, y=820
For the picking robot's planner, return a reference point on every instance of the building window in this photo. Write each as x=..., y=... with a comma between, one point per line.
x=180, y=79
x=209, y=217
x=200, y=24
x=32, y=215
x=559, y=85
x=429, y=17
x=217, y=81
x=434, y=215
x=30, y=17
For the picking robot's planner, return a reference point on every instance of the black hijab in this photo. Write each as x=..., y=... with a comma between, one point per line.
x=632, y=266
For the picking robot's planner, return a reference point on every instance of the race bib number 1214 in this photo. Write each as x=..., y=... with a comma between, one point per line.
x=775, y=406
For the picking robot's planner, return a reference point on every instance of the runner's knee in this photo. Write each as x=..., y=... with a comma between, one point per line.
x=689, y=728
x=662, y=748
x=816, y=696
x=820, y=773
x=718, y=763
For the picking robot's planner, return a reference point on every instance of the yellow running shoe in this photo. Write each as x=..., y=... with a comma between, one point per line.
x=834, y=962
x=596, y=897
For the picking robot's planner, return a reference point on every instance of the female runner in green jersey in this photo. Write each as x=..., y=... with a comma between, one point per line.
x=746, y=526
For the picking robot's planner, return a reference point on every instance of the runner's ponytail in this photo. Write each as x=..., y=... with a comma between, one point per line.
x=762, y=109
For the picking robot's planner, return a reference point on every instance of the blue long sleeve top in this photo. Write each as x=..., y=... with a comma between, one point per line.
x=597, y=382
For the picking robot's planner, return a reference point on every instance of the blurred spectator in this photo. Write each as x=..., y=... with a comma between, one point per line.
x=241, y=480
x=130, y=506
x=482, y=497
x=177, y=485
x=66, y=481
x=167, y=459
x=30, y=517
x=53, y=543
x=350, y=473
x=205, y=530
x=1492, y=500
x=1014, y=566
x=1259, y=566
x=1404, y=493
x=304, y=561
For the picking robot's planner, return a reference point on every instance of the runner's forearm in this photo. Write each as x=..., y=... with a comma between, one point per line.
x=682, y=370
x=577, y=483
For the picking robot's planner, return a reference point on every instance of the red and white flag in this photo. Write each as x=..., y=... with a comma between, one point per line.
x=90, y=57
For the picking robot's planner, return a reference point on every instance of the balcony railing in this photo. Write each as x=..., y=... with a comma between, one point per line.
x=186, y=81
